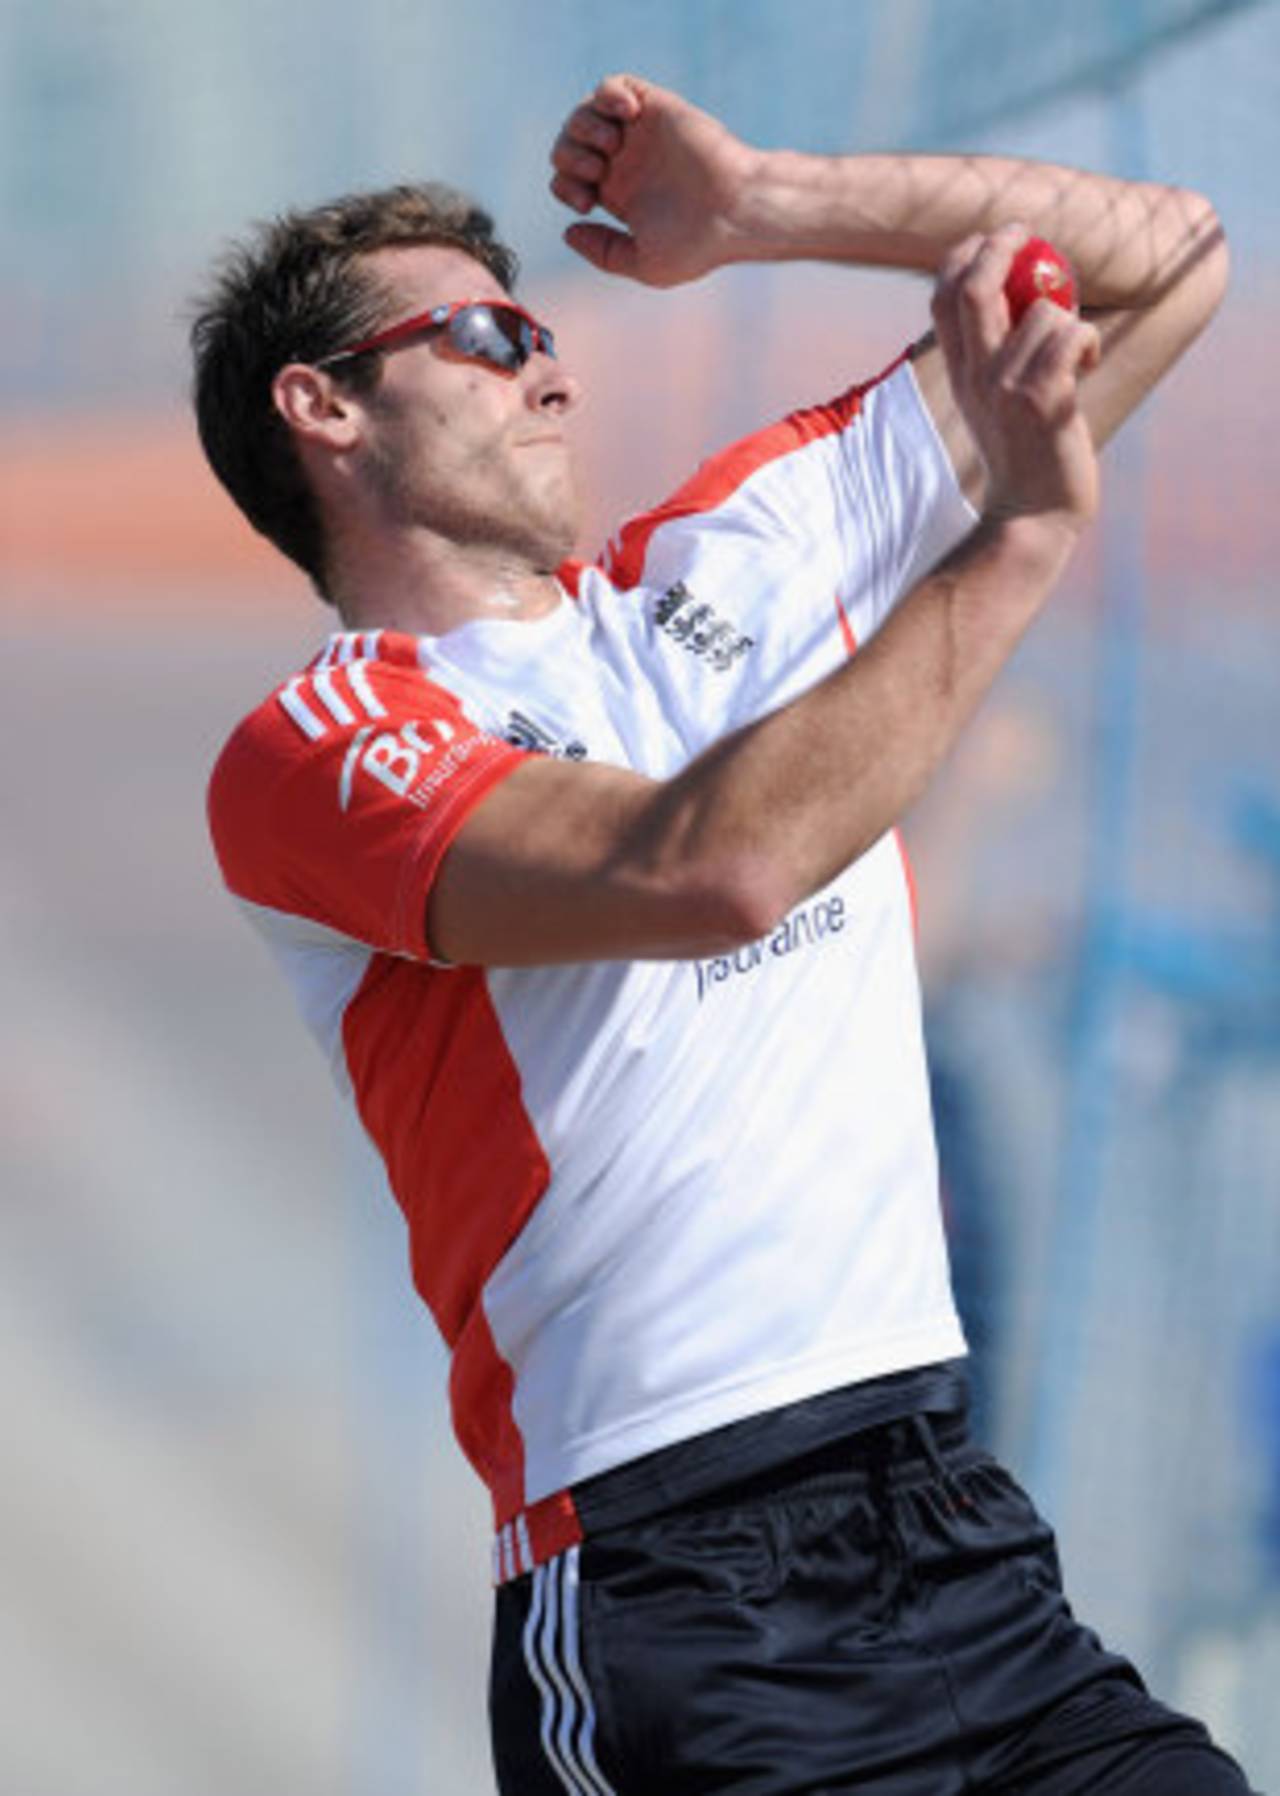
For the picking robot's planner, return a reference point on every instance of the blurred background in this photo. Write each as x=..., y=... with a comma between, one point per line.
x=240, y=1552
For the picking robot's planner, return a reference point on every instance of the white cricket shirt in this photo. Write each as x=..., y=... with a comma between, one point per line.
x=644, y=1199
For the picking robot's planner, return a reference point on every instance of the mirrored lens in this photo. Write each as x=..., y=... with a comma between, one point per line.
x=498, y=334
x=493, y=334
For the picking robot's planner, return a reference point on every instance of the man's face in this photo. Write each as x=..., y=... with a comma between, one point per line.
x=472, y=452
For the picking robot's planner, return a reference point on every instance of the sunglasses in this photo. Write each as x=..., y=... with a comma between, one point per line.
x=498, y=332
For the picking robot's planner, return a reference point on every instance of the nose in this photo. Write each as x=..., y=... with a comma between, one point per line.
x=552, y=387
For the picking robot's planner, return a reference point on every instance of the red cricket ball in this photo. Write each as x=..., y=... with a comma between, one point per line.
x=1039, y=271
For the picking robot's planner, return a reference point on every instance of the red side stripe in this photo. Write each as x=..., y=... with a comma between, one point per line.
x=481, y=1392
x=440, y=1095
x=720, y=477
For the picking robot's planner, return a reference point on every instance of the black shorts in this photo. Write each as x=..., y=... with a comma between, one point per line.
x=884, y=1615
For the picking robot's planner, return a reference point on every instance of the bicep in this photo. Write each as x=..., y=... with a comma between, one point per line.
x=568, y=861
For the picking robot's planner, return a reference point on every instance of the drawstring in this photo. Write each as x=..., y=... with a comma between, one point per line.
x=927, y=1441
x=898, y=1570
x=899, y=1567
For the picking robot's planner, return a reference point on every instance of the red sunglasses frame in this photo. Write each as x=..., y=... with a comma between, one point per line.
x=441, y=318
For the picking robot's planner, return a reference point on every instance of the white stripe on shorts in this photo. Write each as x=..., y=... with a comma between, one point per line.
x=551, y=1652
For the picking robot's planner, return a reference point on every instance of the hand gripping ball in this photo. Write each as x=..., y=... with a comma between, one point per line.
x=1039, y=271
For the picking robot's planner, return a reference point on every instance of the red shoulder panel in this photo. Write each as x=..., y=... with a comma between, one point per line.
x=337, y=798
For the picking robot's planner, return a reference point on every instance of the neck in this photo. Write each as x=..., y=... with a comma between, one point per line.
x=424, y=585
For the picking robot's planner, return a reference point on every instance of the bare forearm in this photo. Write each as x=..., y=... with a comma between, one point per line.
x=692, y=196
x=1127, y=239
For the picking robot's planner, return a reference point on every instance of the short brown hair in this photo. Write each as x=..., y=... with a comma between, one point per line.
x=296, y=289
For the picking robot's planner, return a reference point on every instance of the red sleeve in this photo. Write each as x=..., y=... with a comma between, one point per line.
x=337, y=798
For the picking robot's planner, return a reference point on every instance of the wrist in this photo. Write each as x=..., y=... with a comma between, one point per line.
x=778, y=214
x=1037, y=544
x=798, y=207
x=753, y=220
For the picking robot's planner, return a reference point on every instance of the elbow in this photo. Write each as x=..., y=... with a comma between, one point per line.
x=699, y=881
x=1208, y=239
x=1204, y=262
x=734, y=902
x=1217, y=256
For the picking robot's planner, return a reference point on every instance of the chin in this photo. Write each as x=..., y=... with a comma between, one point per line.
x=558, y=518
x=558, y=539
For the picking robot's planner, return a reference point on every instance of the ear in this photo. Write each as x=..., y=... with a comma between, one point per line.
x=315, y=407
